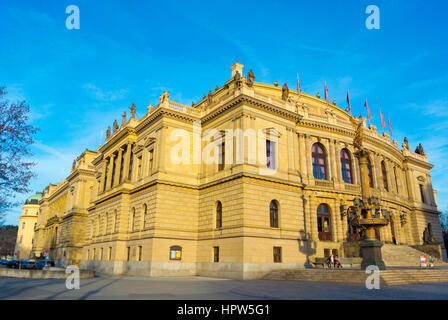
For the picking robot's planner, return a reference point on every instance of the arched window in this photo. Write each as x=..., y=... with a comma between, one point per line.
x=369, y=169
x=324, y=222
x=175, y=253
x=218, y=215
x=384, y=173
x=346, y=165
x=319, y=162
x=273, y=214
x=145, y=215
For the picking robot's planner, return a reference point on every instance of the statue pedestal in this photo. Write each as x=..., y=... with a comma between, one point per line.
x=371, y=254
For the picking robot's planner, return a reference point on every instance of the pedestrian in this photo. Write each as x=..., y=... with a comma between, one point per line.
x=331, y=260
x=337, y=262
x=431, y=262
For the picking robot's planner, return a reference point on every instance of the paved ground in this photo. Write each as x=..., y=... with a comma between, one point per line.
x=197, y=288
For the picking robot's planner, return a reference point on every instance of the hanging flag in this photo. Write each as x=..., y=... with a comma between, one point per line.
x=326, y=94
x=348, y=102
x=298, y=86
x=382, y=120
x=390, y=127
x=368, y=110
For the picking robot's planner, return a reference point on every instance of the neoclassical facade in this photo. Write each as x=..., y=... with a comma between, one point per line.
x=251, y=178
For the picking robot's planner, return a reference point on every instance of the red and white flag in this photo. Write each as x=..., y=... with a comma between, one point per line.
x=368, y=110
x=382, y=120
x=390, y=127
x=348, y=102
x=326, y=94
x=298, y=86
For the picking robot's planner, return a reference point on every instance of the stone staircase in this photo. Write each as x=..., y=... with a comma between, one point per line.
x=351, y=276
x=404, y=256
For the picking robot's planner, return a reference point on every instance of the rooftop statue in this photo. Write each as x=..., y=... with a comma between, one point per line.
x=237, y=79
x=115, y=126
x=123, y=119
x=164, y=97
x=420, y=150
x=285, y=92
x=209, y=97
x=405, y=144
x=133, y=110
x=108, y=133
x=250, y=78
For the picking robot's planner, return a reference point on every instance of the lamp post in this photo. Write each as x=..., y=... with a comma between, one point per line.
x=367, y=212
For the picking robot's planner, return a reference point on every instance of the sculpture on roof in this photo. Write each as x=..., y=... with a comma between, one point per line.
x=123, y=119
x=285, y=92
x=209, y=97
x=164, y=97
x=133, y=109
x=115, y=126
x=74, y=165
x=237, y=79
x=108, y=133
x=419, y=150
x=250, y=78
x=405, y=144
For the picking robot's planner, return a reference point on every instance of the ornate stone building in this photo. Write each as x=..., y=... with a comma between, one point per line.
x=27, y=224
x=156, y=199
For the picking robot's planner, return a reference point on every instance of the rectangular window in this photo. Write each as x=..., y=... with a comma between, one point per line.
x=140, y=252
x=94, y=254
x=422, y=193
x=215, y=254
x=222, y=156
x=131, y=164
x=105, y=175
x=270, y=154
x=128, y=253
x=151, y=160
x=110, y=253
x=277, y=254
x=112, y=178
x=101, y=254
x=23, y=225
x=139, y=166
x=123, y=159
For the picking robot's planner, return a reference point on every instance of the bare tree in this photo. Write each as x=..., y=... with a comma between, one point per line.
x=444, y=219
x=16, y=136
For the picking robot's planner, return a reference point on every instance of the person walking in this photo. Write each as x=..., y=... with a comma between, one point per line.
x=337, y=262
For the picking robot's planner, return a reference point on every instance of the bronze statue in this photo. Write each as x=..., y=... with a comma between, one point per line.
x=108, y=133
x=420, y=150
x=285, y=92
x=115, y=126
x=133, y=110
x=250, y=78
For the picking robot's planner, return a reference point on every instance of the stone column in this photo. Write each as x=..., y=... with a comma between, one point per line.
x=334, y=223
x=308, y=155
x=303, y=156
x=296, y=150
x=118, y=168
x=290, y=148
x=109, y=174
x=161, y=149
x=313, y=218
x=103, y=176
x=331, y=160
x=127, y=162
x=337, y=159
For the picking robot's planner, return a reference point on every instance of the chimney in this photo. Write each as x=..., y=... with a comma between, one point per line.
x=237, y=67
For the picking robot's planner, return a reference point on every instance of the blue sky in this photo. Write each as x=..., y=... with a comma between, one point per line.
x=79, y=81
